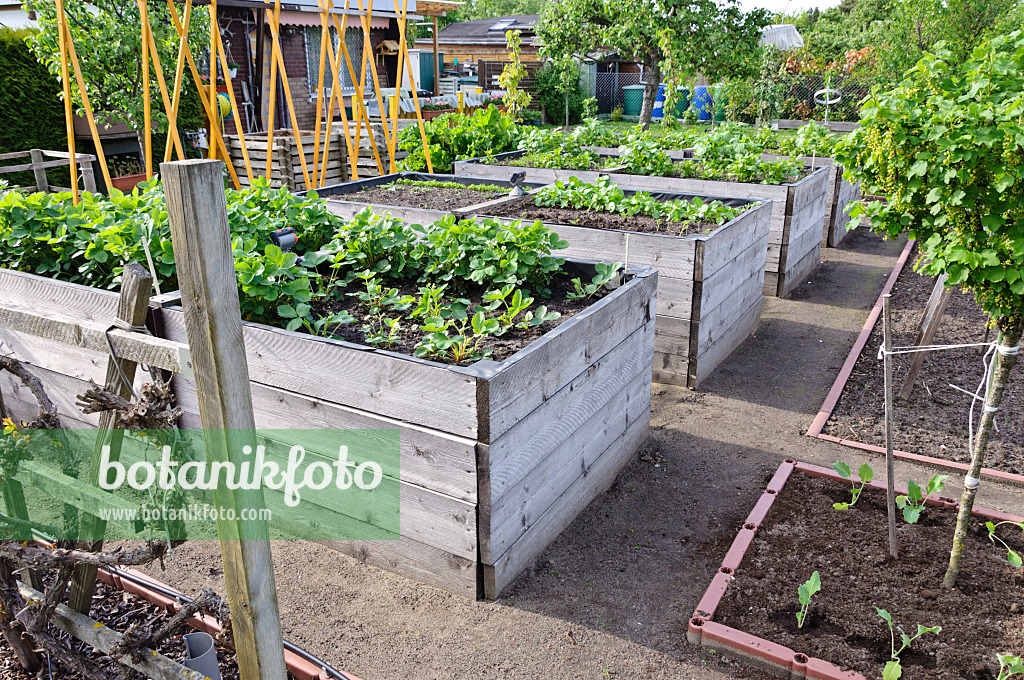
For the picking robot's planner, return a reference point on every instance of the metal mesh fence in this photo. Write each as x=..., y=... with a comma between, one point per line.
x=607, y=87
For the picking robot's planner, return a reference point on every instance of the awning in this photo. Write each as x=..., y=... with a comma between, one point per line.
x=783, y=36
x=294, y=18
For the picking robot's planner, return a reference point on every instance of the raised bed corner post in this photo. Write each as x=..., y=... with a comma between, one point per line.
x=197, y=215
x=132, y=306
x=1007, y=348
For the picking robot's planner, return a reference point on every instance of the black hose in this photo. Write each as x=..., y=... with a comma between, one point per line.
x=290, y=646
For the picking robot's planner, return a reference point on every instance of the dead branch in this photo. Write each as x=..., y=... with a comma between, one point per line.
x=139, y=636
x=153, y=411
x=48, y=419
x=39, y=557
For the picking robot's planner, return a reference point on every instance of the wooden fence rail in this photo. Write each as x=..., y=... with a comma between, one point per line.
x=39, y=166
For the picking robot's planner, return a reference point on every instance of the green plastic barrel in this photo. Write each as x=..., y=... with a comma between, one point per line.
x=632, y=99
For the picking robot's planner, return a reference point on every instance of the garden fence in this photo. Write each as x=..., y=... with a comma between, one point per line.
x=797, y=96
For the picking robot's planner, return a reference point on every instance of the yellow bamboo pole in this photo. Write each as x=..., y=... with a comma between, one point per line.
x=172, y=124
x=353, y=155
x=330, y=115
x=66, y=82
x=277, y=54
x=366, y=19
x=362, y=115
x=147, y=114
x=214, y=121
x=275, y=17
x=396, y=102
x=179, y=68
x=93, y=130
x=325, y=37
x=412, y=79
x=234, y=105
x=210, y=115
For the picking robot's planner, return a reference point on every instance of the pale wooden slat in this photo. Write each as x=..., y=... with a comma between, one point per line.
x=719, y=352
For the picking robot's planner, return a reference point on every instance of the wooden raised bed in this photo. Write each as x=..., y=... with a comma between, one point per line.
x=286, y=168
x=335, y=195
x=496, y=458
x=709, y=290
x=798, y=209
x=838, y=197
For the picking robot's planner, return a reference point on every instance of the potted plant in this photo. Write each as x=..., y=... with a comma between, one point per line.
x=232, y=70
x=126, y=172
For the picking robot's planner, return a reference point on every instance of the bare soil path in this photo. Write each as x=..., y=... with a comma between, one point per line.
x=611, y=596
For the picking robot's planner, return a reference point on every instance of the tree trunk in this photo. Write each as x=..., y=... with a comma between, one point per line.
x=652, y=71
x=567, y=108
x=1004, y=363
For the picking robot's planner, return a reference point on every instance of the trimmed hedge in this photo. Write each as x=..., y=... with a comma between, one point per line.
x=31, y=111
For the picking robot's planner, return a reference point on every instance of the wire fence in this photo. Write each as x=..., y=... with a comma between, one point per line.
x=607, y=88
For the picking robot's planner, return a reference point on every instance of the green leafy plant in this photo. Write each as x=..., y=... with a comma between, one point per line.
x=605, y=274
x=434, y=184
x=893, y=670
x=452, y=136
x=913, y=504
x=945, y=148
x=457, y=339
x=1009, y=666
x=805, y=592
x=644, y=157
x=1012, y=556
x=865, y=475
x=516, y=100
x=616, y=114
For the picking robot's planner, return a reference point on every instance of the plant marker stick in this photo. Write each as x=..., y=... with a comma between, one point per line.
x=890, y=460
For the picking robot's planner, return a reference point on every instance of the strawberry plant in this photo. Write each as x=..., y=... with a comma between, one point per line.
x=605, y=274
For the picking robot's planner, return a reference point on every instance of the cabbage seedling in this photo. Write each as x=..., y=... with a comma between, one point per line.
x=893, y=670
x=913, y=504
x=1012, y=556
x=805, y=592
x=866, y=474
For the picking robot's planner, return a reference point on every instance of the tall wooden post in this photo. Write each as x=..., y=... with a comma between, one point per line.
x=131, y=309
x=437, y=66
x=40, y=173
x=890, y=459
x=197, y=214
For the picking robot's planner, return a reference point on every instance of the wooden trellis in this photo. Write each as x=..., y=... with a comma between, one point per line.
x=338, y=60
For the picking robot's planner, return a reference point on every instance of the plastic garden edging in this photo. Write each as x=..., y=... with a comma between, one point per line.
x=775, y=658
x=836, y=391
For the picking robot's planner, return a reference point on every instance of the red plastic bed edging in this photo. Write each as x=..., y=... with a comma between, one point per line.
x=829, y=405
x=775, y=658
x=299, y=667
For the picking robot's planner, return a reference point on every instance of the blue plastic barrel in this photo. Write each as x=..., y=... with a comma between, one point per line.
x=702, y=101
x=659, y=103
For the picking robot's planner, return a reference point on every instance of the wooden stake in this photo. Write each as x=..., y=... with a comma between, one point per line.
x=42, y=184
x=325, y=37
x=366, y=18
x=437, y=66
x=62, y=33
x=147, y=104
x=279, y=56
x=93, y=130
x=890, y=459
x=172, y=123
x=132, y=306
x=415, y=97
x=197, y=214
x=397, y=102
x=930, y=320
x=214, y=104
x=275, y=18
x=362, y=115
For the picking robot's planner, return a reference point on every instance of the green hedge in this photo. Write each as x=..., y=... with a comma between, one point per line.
x=31, y=111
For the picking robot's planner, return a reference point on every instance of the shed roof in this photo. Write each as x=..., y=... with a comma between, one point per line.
x=488, y=31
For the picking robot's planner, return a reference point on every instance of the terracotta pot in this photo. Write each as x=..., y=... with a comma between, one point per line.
x=127, y=182
x=431, y=115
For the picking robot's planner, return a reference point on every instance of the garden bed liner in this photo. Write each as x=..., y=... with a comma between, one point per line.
x=836, y=391
x=798, y=209
x=771, y=657
x=338, y=204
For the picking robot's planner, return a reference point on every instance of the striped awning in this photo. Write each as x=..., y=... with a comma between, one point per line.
x=295, y=18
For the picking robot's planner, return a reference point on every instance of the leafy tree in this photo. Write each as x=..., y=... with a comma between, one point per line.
x=485, y=9
x=559, y=91
x=108, y=41
x=516, y=101
x=699, y=37
x=946, y=147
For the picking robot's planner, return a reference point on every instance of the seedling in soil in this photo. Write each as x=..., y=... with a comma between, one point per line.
x=805, y=592
x=893, y=670
x=866, y=474
x=1012, y=556
x=605, y=273
x=913, y=504
x=1010, y=665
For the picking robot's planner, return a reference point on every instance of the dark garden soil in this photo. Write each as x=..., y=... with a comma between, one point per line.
x=525, y=209
x=802, y=534
x=119, y=611
x=934, y=422
x=410, y=333
x=429, y=198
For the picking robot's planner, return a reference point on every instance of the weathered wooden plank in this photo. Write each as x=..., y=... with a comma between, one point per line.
x=534, y=374
x=719, y=352
x=722, y=246
x=405, y=389
x=525, y=501
x=415, y=560
x=89, y=304
x=771, y=283
x=800, y=270
x=744, y=278
x=591, y=483
x=349, y=209
x=675, y=297
x=431, y=459
x=718, y=318
x=536, y=437
x=91, y=335
x=847, y=193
